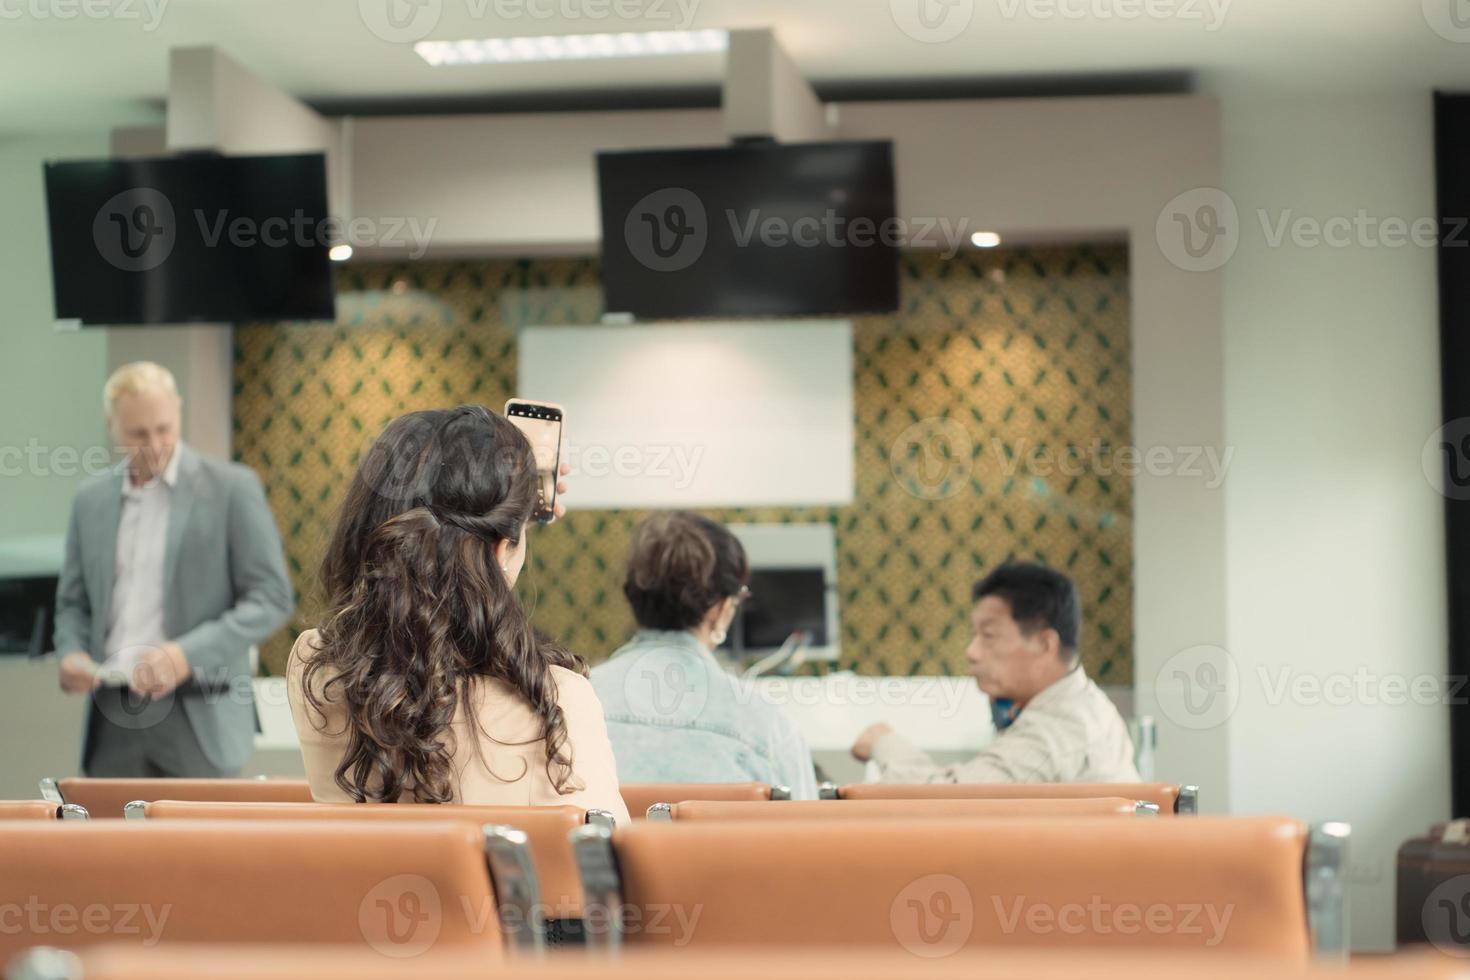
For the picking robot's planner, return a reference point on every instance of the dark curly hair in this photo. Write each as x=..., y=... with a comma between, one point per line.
x=418, y=608
x=682, y=564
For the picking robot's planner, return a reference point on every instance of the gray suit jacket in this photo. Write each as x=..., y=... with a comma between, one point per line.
x=225, y=588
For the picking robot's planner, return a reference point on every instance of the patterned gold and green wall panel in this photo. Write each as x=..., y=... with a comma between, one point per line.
x=1000, y=367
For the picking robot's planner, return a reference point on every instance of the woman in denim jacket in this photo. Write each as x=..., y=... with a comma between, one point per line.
x=673, y=713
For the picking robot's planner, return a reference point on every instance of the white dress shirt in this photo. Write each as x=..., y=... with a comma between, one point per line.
x=1069, y=733
x=135, y=619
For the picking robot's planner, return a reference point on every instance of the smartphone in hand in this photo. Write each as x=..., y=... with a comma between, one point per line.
x=542, y=424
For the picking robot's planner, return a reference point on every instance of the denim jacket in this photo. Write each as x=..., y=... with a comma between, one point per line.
x=675, y=715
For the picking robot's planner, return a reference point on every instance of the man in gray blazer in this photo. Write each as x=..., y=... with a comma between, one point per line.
x=173, y=570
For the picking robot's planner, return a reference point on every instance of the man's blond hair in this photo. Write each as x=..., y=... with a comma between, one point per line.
x=136, y=378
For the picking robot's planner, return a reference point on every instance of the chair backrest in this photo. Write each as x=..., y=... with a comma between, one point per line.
x=1168, y=796
x=904, y=809
x=29, y=810
x=463, y=963
x=546, y=829
x=105, y=798
x=640, y=796
x=393, y=888
x=944, y=884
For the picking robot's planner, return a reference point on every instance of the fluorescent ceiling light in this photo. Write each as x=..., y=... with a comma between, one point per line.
x=985, y=239
x=570, y=47
x=340, y=253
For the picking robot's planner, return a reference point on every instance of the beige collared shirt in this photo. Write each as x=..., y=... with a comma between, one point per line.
x=135, y=618
x=1069, y=733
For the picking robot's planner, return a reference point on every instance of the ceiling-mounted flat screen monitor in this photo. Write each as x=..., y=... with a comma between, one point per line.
x=200, y=238
x=754, y=229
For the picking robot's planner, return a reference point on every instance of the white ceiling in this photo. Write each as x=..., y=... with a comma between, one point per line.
x=87, y=71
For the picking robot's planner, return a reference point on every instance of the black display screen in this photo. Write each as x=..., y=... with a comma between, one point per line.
x=190, y=239
x=758, y=229
x=782, y=601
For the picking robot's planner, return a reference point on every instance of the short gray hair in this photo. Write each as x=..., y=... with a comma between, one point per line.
x=134, y=378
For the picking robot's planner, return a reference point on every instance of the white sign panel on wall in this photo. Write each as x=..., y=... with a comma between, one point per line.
x=699, y=415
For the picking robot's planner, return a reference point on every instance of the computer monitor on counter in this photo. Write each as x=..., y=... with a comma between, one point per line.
x=793, y=586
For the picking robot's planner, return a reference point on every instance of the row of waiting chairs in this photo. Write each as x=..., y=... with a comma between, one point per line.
x=1169, y=798
x=263, y=962
x=488, y=872
x=110, y=797
x=40, y=810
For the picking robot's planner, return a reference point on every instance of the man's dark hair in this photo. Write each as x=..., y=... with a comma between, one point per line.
x=1039, y=599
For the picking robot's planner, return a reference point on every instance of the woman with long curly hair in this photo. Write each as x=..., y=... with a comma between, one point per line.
x=425, y=682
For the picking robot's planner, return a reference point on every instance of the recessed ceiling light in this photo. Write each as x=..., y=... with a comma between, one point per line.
x=570, y=47
x=340, y=253
x=985, y=239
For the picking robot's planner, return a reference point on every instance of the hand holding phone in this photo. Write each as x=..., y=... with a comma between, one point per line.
x=542, y=424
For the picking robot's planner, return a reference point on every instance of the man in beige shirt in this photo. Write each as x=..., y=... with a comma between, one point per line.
x=1054, y=725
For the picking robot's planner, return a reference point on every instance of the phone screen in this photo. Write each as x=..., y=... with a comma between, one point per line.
x=542, y=426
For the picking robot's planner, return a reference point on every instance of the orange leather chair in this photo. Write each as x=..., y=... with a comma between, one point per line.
x=182, y=962
x=106, y=798
x=1171, y=798
x=390, y=889
x=547, y=829
x=898, y=809
x=1207, y=885
x=640, y=796
x=32, y=810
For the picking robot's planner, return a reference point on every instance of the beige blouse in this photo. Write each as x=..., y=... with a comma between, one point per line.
x=510, y=767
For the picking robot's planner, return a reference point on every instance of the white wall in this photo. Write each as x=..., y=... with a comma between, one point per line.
x=53, y=381
x=742, y=415
x=522, y=184
x=52, y=397
x=1335, y=538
